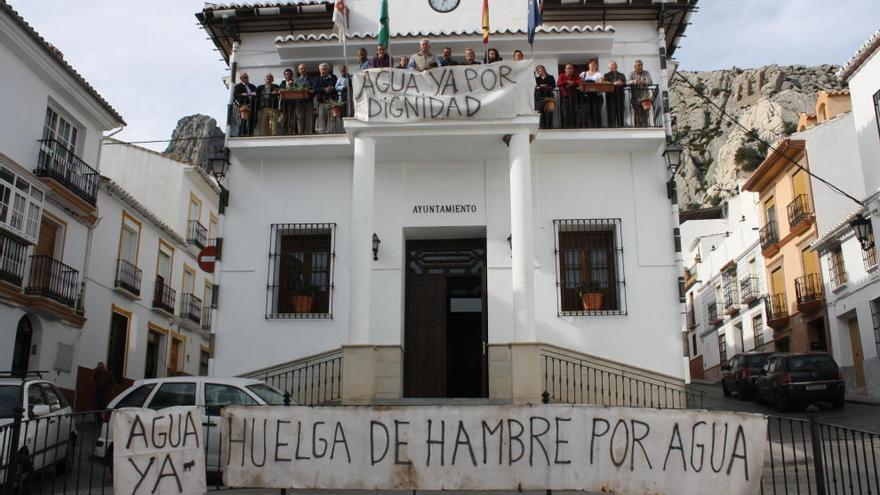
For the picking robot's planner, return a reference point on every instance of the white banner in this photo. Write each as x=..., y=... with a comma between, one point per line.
x=502, y=90
x=558, y=447
x=158, y=452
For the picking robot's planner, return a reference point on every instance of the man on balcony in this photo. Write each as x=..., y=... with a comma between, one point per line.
x=640, y=98
x=614, y=102
x=423, y=59
x=268, y=98
x=470, y=57
x=568, y=84
x=446, y=59
x=304, y=110
x=325, y=90
x=245, y=97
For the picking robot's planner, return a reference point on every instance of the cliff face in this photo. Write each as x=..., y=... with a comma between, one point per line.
x=717, y=152
x=196, y=139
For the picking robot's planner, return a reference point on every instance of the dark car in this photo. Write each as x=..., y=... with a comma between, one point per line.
x=789, y=379
x=741, y=373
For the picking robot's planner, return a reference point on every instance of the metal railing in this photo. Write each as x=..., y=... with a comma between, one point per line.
x=206, y=316
x=808, y=288
x=749, y=289
x=191, y=308
x=731, y=296
x=798, y=210
x=316, y=380
x=13, y=255
x=57, y=162
x=714, y=312
x=287, y=113
x=769, y=234
x=691, y=316
x=777, y=307
x=574, y=380
x=163, y=296
x=196, y=234
x=52, y=279
x=627, y=106
x=837, y=271
x=128, y=276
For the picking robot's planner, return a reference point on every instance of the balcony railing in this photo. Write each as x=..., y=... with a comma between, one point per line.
x=691, y=316
x=206, y=317
x=191, y=308
x=59, y=163
x=749, y=290
x=287, y=113
x=128, y=276
x=798, y=210
x=163, y=296
x=12, y=260
x=196, y=234
x=731, y=296
x=626, y=106
x=808, y=288
x=769, y=234
x=777, y=310
x=52, y=279
x=714, y=312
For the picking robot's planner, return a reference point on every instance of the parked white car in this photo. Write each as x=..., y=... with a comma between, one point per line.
x=209, y=393
x=47, y=436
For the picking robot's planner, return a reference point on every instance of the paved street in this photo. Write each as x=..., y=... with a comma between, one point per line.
x=858, y=416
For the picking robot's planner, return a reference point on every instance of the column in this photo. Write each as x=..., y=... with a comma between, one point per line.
x=360, y=257
x=522, y=262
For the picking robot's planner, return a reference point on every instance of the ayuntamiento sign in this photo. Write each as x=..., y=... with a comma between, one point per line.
x=501, y=90
x=560, y=447
x=158, y=452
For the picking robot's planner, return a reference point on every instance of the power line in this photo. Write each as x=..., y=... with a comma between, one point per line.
x=765, y=143
x=118, y=141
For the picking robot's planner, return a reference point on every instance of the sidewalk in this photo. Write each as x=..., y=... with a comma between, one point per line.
x=867, y=400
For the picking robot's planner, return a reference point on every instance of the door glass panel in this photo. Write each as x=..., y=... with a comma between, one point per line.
x=51, y=397
x=218, y=396
x=128, y=247
x=137, y=397
x=174, y=394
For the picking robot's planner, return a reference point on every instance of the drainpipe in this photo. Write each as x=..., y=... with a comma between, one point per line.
x=91, y=233
x=221, y=211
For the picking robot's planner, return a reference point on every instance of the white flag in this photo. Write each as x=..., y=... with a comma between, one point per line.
x=340, y=13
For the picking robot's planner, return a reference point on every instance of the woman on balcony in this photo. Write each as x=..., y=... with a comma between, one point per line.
x=568, y=84
x=545, y=100
x=592, y=111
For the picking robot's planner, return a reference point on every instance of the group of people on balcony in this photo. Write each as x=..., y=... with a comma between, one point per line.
x=304, y=104
x=580, y=103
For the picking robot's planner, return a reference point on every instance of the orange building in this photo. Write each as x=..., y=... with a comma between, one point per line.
x=796, y=305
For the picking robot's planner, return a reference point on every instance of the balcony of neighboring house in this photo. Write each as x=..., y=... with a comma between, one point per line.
x=13, y=256
x=731, y=296
x=769, y=235
x=749, y=290
x=799, y=214
x=777, y=311
x=691, y=317
x=163, y=296
x=196, y=234
x=54, y=280
x=191, y=309
x=128, y=277
x=714, y=312
x=810, y=296
x=690, y=277
x=206, y=316
x=59, y=165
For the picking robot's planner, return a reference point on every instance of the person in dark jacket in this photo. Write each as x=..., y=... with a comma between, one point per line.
x=544, y=86
x=267, y=95
x=614, y=102
x=382, y=59
x=325, y=91
x=245, y=95
x=104, y=383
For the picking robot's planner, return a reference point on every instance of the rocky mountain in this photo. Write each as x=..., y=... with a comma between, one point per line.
x=717, y=152
x=195, y=139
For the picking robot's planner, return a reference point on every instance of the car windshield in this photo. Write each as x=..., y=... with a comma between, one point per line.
x=811, y=363
x=269, y=395
x=9, y=400
x=755, y=361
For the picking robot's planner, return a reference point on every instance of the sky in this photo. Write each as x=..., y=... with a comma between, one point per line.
x=154, y=64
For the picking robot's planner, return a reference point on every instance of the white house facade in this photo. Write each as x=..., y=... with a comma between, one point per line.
x=433, y=254
x=726, y=286
x=48, y=196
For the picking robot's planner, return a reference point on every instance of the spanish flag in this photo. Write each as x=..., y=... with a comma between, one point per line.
x=485, y=22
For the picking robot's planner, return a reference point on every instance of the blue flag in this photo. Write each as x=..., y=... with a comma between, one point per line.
x=535, y=19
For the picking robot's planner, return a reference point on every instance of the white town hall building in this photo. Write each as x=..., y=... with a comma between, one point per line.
x=443, y=256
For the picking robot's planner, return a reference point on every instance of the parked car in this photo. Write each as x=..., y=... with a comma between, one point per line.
x=47, y=436
x=741, y=372
x=789, y=379
x=210, y=393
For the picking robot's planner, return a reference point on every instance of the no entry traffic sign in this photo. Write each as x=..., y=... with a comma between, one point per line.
x=207, y=257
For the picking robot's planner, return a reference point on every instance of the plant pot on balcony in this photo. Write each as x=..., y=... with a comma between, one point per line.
x=336, y=110
x=302, y=303
x=244, y=112
x=295, y=94
x=549, y=104
x=591, y=296
x=646, y=103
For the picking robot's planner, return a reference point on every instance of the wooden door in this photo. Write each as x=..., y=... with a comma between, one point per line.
x=811, y=261
x=858, y=355
x=46, y=241
x=425, y=336
x=174, y=357
x=799, y=183
x=777, y=282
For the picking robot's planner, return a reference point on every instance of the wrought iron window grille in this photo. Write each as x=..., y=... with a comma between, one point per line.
x=300, y=275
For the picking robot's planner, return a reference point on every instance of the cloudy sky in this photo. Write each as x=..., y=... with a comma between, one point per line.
x=154, y=64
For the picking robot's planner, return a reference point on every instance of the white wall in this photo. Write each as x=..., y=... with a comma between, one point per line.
x=863, y=84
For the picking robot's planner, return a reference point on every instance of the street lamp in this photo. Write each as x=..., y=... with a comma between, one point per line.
x=672, y=154
x=219, y=166
x=376, y=242
x=864, y=233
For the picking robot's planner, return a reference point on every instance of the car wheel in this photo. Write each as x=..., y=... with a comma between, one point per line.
x=724, y=389
x=64, y=465
x=782, y=402
x=838, y=404
x=741, y=392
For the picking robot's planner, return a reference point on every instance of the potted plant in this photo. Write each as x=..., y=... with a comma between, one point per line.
x=590, y=293
x=303, y=297
x=244, y=111
x=296, y=93
x=549, y=104
x=336, y=108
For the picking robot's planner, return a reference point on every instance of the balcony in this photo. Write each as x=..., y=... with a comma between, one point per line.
x=777, y=311
x=163, y=296
x=809, y=292
x=12, y=260
x=206, y=316
x=769, y=235
x=128, y=277
x=731, y=297
x=191, y=308
x=196, y=234
x=52, y=279
x=714, y=313
x=749, y=289
x=799, y=212
x=58, y=163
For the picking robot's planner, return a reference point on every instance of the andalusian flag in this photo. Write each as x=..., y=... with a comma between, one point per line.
x=485, y=22
x=383, y=24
